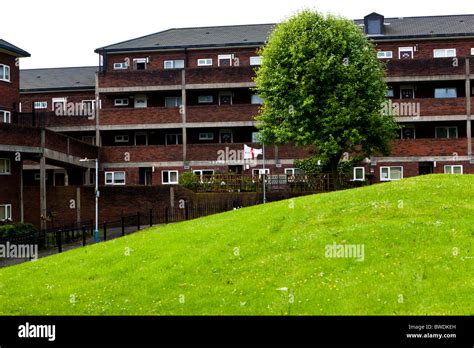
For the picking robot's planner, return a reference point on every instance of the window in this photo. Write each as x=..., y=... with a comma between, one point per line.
x=453, y=169
x=141, y=101
x=40, y=105
x=226, y=136
x=174, y=139
x=5, y=116
x=206, y=136
x=173, y=102
x=91, y=177
x=115, y=178
x=4, y=73
x=359, y=174
x=408, y=132
x=390, y=93
x=174, y=64
x=5, y=212
x=225, y=59
x=472, y=51
x=141, y=138
x=446, y=132
x=202, y=172
x=89, y=139
x=391, y=173
x=140, y=63
x=405, y=52
x=121, y=102
x=205, y=99
x=446, y=93
x=225, y=98
x=444, y=53
x=120, y=66
x=255, y=136
x=59, y=103
x=169, y=177
x=257, y=60
x=260, y=172
x=293, y=171
x=122, y=139
x=256, y=100
x=5, y=166
x=205, y=62
x=384, y=54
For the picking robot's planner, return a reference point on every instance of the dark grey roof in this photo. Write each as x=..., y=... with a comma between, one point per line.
x=57, y=79
x=16, y=51
x=236, y=35
x=257, y=34
x=429, y=26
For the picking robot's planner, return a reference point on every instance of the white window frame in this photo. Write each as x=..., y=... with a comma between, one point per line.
x=121, y=66
x=122, y=138
x=140, y=105
x=200, y=172
x=354, y=174
x=7, y=164
x=121, y=102
x=169, y=177
x=204, y=62
x=293, y=171
x=59, y=100
x=8, y=212
x=5, y=73
x=400, y=49
x=444, y=53
x=389, y=173
x=206, y=136
x=472, y=51
x=255, y=99
x=172, y=64
x=140, y=61
x=447, y=132
x=228, y=94
x=40, y=105
x=446, y=90
x=260, y=172
x=384, y=54
x=230, y=57
x=206, y=99
x=256, y=60
x=226, y=130
x=177, y=104
x=412, y=88
x=5, y=116
x=449, y=168
x=177, y=135
x=113, y=182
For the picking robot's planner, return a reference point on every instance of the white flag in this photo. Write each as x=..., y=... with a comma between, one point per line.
x=251, y=153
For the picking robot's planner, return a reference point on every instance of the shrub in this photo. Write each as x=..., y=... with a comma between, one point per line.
x=189, y=180
x=17, y=230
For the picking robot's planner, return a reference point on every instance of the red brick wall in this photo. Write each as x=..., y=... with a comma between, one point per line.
x=429, y=147
x=10, y=186
x=27, y=99
x=117, y=154
x=118, y=116
x=9, y=91
x=222, y=113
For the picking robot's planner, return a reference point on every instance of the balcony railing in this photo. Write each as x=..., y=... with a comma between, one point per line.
x=426, y=67
x=153, y=115
x=220, y=75
x=412, y=108
x=130, y=78
x=221, y=113
x=150, y=153
x=51, y=120
x=429, y=147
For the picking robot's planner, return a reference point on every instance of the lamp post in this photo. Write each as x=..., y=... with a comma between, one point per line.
x=97, y=194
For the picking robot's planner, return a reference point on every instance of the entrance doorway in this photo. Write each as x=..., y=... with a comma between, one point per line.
x=425, y=168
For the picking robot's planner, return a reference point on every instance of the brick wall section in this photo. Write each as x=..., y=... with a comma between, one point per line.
x=221, y=113
x=10, y=186
x=231, y=74
x=27, y=99
x=9, y=91
x=17, y=135
x=425, y=67
x=429, y=147
x=436, y=106
x=151, y=153
x=130, y=78
x=120, y=116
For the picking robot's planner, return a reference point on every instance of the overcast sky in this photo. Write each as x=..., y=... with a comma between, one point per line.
x=65, y=33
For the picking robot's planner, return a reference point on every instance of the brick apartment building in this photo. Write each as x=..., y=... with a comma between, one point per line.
x=182, y=100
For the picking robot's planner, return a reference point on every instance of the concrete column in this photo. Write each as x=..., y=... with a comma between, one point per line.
x=22, y=211
x=78, y=204
x=97, y=110
x=468, y=109
x=43, y=208
x=66, y=178
x=172, y=197
x=183, y=111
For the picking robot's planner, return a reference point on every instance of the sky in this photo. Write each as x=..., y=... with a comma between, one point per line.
x=65, y=33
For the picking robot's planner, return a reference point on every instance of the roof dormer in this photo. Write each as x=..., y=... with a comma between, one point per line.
x=374, y=24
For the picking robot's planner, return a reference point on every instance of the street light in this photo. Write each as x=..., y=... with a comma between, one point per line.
x=97, y=194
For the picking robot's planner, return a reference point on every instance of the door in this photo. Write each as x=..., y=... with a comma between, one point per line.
x=426, y=168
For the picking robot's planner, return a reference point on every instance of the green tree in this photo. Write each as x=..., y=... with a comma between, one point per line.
x=323, y=85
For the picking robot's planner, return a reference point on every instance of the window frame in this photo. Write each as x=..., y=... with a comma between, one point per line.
x=211, y=101
x=137, y=61
x=8, y=209
x=122, y=138
x=44, y=103
x=204, y=62
x=116, y=103
x=7, y=116
x=179, y=102
x=3, y=75
x=409, y=49
x=253, y=60
x=169, y=177
x=259, y=99
x=121, y=66
x=447, y=132
x=220, y=57
x=389, y=173
x=354, y=176
x=201, y=138
x=385, y=54
x=173, y=64
x=8, y=166
x=445, y=50
x=177, y=135
x=452, y=166
x=446, y=94
x=113, y=181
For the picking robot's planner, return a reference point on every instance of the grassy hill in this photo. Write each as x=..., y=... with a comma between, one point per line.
x=271, y=260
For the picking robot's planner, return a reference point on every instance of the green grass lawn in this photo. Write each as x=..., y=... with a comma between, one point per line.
x=271, y=260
